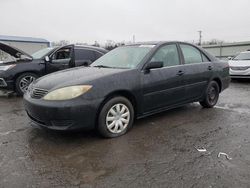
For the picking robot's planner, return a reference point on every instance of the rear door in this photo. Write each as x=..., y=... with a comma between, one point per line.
x=163, y=86
x=197, y=71
x=84, y=57
x=61, y=59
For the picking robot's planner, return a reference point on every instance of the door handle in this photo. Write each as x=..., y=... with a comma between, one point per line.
x=180, y=72
x=210, y=67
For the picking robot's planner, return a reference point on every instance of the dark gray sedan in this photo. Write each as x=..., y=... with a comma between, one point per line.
x=129, y=82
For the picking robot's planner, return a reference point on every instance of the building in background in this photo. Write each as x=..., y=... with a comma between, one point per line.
x=26, y=44
x=225, y=50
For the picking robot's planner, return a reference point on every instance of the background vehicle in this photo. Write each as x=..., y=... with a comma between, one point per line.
x=240, y=65
x=18, y=69
x=129, y=81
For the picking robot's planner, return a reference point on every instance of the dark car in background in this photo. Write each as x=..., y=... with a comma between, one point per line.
x=129, y=82
x=18, y=69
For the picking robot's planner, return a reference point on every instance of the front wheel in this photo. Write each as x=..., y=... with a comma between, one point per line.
x=116, y=117
x=23, y=81
x=211, y=95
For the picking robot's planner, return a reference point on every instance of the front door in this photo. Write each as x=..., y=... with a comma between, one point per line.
x=164, y=86
x=61, y=59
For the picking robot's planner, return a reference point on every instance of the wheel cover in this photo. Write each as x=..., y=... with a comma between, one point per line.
x=25, y=82
x=212, y=95
x=118, y=118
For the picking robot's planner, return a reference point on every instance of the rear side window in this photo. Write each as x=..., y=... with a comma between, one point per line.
x=83, y=54
x=191, y=54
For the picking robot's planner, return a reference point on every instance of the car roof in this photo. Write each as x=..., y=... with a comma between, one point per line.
x=149, y=43
x=157, y=43
x=91, y=47
x=245, y=52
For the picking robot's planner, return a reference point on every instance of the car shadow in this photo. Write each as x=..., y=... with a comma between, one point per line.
x=75, y=136
x=240, y=80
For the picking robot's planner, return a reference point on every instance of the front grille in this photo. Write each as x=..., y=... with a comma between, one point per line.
x=36, y=120
x=239, y=68
x=62, y=123
x=37, y=93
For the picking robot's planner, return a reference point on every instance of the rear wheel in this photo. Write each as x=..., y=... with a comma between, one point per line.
x=116, y=117
x=23, y=81
x=211, y=95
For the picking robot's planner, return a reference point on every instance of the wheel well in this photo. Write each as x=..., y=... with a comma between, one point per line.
x=219, y=83
x=128, y=95
x=17, y=75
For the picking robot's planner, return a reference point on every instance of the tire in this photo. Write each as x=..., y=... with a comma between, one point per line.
x=23, y=81
x=112, y=124
x=211, y=95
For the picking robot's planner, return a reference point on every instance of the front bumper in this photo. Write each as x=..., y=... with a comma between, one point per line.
x=5, y=84
x=239, y=73
x=75, y=114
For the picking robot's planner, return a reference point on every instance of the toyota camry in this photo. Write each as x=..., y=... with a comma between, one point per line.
x=129, y=82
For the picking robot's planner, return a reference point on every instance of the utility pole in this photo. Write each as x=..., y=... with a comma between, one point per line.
x=133, y=38
x=200, y=36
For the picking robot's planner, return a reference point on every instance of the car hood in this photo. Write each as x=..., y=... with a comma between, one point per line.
x=75, y=76
x=15, y=52
x=240, y=63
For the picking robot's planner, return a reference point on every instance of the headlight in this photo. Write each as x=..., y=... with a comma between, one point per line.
x=6, y=67
x=66, y=93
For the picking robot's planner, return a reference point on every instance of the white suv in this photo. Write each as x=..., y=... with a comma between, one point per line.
x=240, y=65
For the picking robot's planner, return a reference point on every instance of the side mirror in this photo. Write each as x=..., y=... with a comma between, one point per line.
x=87, y=63
x=47, y=59
x=154, y=65
x=229, y=58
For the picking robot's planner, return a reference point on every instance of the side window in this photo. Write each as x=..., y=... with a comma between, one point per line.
x=98, y=55
x=191, y=54
x=64, y=53
x=204, y=58
x=168, y=55
x=83, y=54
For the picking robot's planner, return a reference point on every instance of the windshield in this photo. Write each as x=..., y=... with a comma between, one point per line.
x=5, y=57
x=127, y=57
x=243, y=56
x=41, y=53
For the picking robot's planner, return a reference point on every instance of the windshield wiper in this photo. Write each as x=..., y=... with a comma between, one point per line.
x=102, y=66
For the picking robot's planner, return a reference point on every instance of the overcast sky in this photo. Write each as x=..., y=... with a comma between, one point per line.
x=118, y=20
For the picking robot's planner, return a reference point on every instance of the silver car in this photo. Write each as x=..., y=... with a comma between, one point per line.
x=240, y=65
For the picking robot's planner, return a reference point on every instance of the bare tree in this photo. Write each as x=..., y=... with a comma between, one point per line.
x=60, y=43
